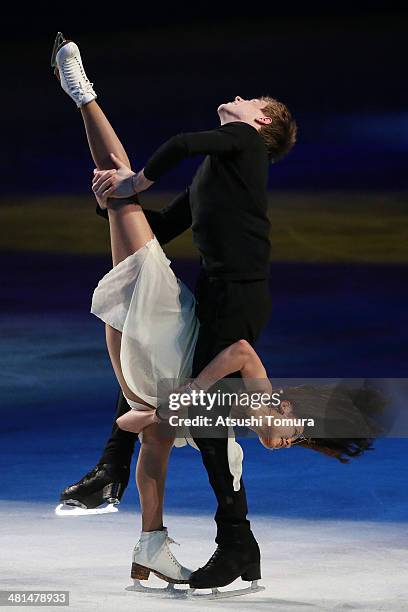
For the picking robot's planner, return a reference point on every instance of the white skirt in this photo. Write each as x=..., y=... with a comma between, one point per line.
x=155, y=312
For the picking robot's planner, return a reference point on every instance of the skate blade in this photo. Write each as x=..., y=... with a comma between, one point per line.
x=216, y=594
x=59, y=39
x=66, y=510
x=169, y=591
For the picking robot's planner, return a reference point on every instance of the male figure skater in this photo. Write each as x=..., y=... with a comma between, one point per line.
x=226, y=206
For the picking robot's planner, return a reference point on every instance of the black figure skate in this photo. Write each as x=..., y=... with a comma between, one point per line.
x=226, y=565
x=98, y=492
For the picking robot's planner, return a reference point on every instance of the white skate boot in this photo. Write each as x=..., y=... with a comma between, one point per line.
x=152, y=554
x=67, y=63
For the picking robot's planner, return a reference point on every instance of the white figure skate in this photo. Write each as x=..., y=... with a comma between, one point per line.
x=67, y=64
x=152, y=555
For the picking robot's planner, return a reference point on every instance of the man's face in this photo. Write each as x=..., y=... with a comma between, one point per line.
x=241, y=109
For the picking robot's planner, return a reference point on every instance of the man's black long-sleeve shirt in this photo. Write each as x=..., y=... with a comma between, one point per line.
x=226, y=203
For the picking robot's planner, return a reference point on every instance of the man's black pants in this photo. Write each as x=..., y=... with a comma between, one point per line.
x=228, y=311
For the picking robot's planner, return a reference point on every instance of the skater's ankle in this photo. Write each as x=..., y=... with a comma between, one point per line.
x=123, y=205
x=150, y=528
x=88, y=106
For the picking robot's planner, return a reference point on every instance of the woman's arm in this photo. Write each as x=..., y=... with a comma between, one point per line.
x=242, y=357
x=238, y=357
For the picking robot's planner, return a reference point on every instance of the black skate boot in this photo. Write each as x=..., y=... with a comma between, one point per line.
x=229, y=562
x=105, y=484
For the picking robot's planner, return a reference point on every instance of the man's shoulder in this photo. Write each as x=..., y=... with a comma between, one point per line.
x=247, y=134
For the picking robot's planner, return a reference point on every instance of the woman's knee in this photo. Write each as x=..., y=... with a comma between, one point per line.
x=158, y=436
x=125, y=423
x=122, y=422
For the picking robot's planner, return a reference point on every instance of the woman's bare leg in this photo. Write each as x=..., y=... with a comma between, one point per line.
x=129, y=231
x=129, y=227
x=151, y=473
x=102, y=138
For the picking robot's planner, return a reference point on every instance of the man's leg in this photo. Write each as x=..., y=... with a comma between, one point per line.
x=228, y=311
x=120, y=446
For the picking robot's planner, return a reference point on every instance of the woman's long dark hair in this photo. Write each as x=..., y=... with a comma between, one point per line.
x=349, y=418
x=341, y=449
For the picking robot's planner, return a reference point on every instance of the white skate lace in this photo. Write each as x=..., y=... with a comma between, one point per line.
x=70, y=71
x=168, y=541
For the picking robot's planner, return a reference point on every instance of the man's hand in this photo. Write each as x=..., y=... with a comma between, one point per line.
x=140, y=182
x=115, y=183
x=100, y=195
x=121, y=182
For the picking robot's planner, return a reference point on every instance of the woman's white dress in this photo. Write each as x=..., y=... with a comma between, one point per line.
x=142, y=298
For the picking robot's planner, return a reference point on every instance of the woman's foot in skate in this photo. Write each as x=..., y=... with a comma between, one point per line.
x=152, y=554
x=68, y=67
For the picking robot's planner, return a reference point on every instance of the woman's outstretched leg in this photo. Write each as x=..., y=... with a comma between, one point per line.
x=102, y=138
x=129, y=228
x=117, y=454
x=130, y=231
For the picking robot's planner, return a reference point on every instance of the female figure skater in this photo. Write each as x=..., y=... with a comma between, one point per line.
x=151, y=330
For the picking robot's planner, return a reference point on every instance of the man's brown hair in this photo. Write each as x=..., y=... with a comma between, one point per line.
x=280, y=134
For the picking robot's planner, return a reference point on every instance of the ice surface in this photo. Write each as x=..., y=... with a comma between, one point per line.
x=306, y=565
x=333, y=537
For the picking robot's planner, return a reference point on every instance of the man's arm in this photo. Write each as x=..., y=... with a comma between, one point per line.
x=228, y=138
x=169, y=222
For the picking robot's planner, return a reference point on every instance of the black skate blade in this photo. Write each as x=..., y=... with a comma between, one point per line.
x=216, y=594
x=58, y=42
